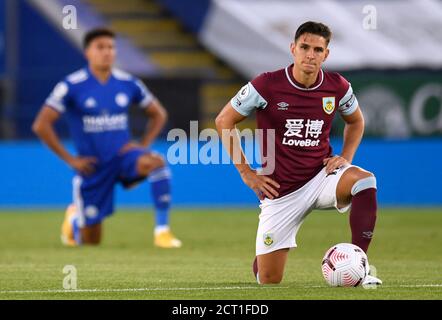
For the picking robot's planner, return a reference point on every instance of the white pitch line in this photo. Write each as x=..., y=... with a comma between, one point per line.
x=419, y=285
x=198, y=288
x=390, y=286
x=138, y=289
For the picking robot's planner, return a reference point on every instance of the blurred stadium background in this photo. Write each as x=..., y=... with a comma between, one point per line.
x=195, y=55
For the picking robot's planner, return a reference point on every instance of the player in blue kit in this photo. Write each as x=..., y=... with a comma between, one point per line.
x=95, y=101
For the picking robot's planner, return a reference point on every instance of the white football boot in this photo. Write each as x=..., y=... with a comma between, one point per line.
x=370, y=280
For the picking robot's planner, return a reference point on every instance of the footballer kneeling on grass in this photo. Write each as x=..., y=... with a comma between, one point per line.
x=95, y=101
x=299, y=103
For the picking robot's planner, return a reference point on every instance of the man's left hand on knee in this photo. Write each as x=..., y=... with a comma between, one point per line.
x=333, y=163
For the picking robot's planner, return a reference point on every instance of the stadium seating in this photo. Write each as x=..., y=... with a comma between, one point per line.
x=174, y=50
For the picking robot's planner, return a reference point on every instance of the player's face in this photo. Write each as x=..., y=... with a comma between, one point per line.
x=309, y=52
x=101, y=53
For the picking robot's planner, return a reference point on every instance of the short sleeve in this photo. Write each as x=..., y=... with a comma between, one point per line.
x=142, y=97
x=348, y=103
x=249, y=98
x=58, y=98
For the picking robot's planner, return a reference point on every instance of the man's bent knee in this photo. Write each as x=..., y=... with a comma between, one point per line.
x=353, y=174
x=366, y=181
x=150, y=162
x=271, y=266
x=350, y=183
x=268, y=278
x=91, y=235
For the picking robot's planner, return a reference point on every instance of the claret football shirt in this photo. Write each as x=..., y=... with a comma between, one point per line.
x=301, y=117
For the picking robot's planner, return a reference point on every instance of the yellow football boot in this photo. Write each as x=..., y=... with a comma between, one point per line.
x=165, y=239
x=67, y=232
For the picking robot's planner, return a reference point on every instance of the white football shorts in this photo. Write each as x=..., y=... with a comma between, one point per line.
x=280, y=219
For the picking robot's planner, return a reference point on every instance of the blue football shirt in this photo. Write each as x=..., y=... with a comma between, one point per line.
x=97, y=113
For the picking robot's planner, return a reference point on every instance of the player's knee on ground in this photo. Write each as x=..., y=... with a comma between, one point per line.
x=269, y=278
x=150, y=162
x=270, y=266
x=91, y=235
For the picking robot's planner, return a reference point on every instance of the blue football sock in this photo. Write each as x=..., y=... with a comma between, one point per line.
x=160, y=186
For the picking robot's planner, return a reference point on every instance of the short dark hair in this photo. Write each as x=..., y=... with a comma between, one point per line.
x=312, y=27
x=96, y=33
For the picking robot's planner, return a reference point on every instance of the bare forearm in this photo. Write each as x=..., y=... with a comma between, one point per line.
x=48, y=135
x=226, y=126
x=229, y=137
x=153, y=129
x=352, y=138
x=157, y=119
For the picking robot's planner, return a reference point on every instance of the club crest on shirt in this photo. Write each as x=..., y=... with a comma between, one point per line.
x=328, y=104
x=122, y=100
x=268, y=239
x=90, y=103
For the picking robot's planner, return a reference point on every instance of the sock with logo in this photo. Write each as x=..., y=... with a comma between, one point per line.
x=160, y=186
x=363, y=212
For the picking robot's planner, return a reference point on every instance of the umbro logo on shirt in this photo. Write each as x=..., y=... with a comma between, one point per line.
x=282, y=106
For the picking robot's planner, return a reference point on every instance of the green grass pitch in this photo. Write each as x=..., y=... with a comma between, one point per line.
x=215, y=261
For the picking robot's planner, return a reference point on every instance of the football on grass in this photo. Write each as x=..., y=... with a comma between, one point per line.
x=344, y=265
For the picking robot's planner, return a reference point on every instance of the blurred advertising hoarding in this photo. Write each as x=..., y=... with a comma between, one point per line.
x=398, y=104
